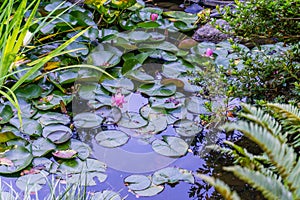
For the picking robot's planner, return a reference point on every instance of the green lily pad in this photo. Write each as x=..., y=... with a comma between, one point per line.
x=106, y=195
x=57, y=133
x=150, y=191
x=41, y=147
x=20, y=158
x=132, y=120
x=52, y=101
x=30, y=91
x=6, y=136
x=111, y=138
x=30, y=126
x=172, y=175
x=175, y=69
x=125, y=85
x=140, y=75
x=160, y=54
x=138, y=36
x=166, y=103
x=83, y=150
x=182, y=16
x=187, y=128
x=164, y=45
x=65, y=154
x=87, y=120
x=54, y=118
x=83, y=172
x=83, y=50
x=157, y=123
x=197, y=105
x=6, y=113
x=32, y=182
x=137, y=182
x=158, y=90
x=64, y=76
x=110, y=114
x=170, y=146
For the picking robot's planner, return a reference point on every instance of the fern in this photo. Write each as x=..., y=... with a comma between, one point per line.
x=281, y=178
x=270, y=186
x=221, y=187
x=290, y=119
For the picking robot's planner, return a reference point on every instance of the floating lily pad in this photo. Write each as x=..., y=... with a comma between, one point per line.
x=110, y=114
x=83, y=149
x=157, y=123
x=30, y=126
x=172, y=175
x=32, y=182
x=7, y=135
x=140, y=75
x=170, y=146
x=87, y=91
x=57, y=133
x=139, y=36
x=6, y=113
x=164, y=45
x=41, y=147
x=125, y=85
x=54, y=118
x=65, y=76
x=132, y=120
x=166, y=103
x=187, y=128
x=20, y=158
x=65, y=154
x=150, y=191
x=30, y=91
x=175, y=69
x=104, y=57
x=83, y=172
x=52, y=101
x=137, y=182
x=196, y=105
x=87, y=120
x=106, y=195
x=111, y=138
x=160, y=54
x=158, y=89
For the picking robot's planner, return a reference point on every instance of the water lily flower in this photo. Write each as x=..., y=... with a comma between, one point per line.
x=209, y=52
x=118, y=100
x=154, y=16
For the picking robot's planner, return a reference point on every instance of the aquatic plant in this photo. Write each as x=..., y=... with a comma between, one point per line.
x=274, y=172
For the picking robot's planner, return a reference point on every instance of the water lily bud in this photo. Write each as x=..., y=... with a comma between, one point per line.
x=209, y=52
x=154, y=16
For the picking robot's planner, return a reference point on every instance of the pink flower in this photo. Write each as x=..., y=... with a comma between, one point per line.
x=209, y=52
x=118, y=100
x=153, y=16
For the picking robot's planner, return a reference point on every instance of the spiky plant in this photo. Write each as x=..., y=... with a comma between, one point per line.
x=276, y=172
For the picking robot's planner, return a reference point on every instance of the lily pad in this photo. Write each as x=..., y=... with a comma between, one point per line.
x=110, y=114
x=30, y=126
x=172, y=175
x=166, y=103
x=87, y=120
x=104, y=57
x=111, y=138
x=57, y=133
x=139, y=36
x=54, y=118
x=170, y=146
x=30, y=91
x=125, y=85
x=158, y=89
x=53, y=100
x=137, y=182
x=106, y=195
x=83, y=172
x=132, y=120
x=7, y=135
x=150, y=191
x=197, y=105
x=6, y=113
x=41, y=147
x=20, y=158
x=32, y=182
x=65, y=154
x=140, y=75
x=164, y=45
x=187, y=128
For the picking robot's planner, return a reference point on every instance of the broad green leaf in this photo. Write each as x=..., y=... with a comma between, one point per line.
x=172, y=175
x=187, y=128
x=109, y=114
x=132, y=120
x=125, y=85
x=87, y=120
x=57, y=133
x=30, y=126
x=20, y=158
x=170, y=146
x=158, y=89
x=54, y=118
x=111, y=138
x=137, y=182
x=31, y=91
x=41, y=147
x=6, y=113
x=150, y=191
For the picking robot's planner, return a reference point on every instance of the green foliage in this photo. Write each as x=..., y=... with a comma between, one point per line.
x=276, y=172
x=265, y=19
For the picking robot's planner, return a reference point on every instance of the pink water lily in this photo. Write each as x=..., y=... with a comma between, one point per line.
x=118, y=100
x=154, y=16
x=209, y=52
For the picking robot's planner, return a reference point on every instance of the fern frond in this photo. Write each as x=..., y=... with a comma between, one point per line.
x=289, y=117
x=280, y=154
x=270, y=186
x=262, y=118
x=221, y=187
